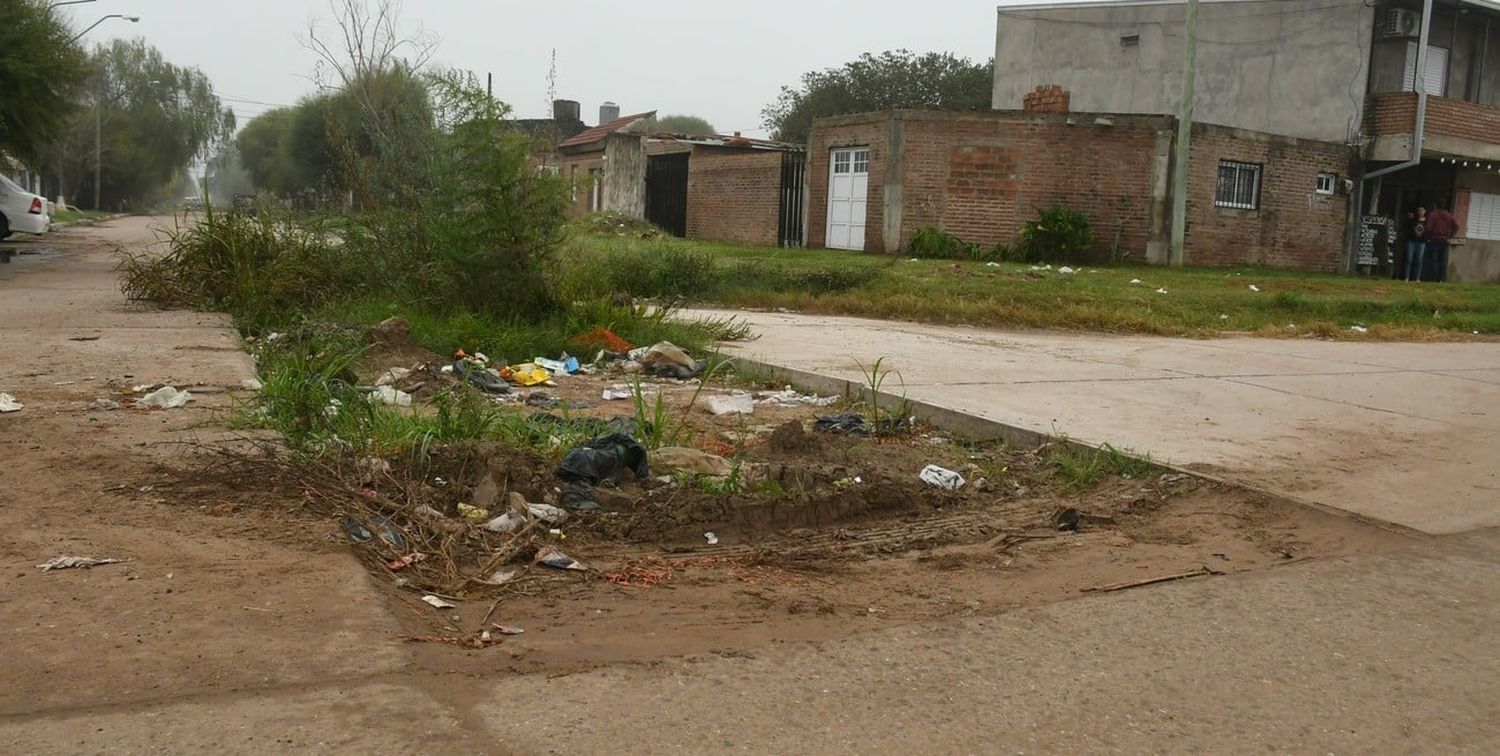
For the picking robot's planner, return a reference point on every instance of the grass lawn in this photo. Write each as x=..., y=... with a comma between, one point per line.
x=74, y=216
x=1195, y=301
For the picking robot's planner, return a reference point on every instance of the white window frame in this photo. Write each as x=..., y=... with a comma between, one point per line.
x=1327, y=183
x=1232, y=191
x=1436, y=77
x=1484, y=216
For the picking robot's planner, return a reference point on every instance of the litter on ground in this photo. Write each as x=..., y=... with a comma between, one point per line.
x=941, y=477
x=165, y=397
x=436, y=602
x=390, y=397
x=71, y=562
x=8, y=403
x=737, y=404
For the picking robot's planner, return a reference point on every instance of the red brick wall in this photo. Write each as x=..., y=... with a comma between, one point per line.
x=980, y=176
x=1396, y=113
x=864, y=130
x=1294, y=227
x=734, y=195
x=1047, y=98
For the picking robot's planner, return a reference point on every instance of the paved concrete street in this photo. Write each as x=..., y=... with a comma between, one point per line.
x=1406, y=433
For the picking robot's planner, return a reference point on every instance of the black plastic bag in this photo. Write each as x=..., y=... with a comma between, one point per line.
x=480, y=378
x=605, y=459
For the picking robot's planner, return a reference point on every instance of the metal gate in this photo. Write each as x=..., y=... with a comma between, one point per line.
x=793, y=194
x=666, y=192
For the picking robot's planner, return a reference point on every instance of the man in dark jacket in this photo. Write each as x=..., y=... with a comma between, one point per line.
x=1440, y=228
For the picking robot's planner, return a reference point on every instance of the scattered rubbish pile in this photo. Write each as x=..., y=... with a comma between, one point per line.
x=788, y=397
x=856, y=425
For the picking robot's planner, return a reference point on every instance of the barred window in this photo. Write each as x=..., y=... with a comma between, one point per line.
x=1239, y=185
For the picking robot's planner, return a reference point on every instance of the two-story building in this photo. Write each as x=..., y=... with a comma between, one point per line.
x=1335, y=71
x=1302, y=144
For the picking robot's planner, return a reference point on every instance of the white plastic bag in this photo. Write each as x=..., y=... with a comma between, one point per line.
x=942, y=477
x=165, y=397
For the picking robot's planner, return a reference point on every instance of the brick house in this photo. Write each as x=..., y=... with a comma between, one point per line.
x=980, y=175
x=1341, y=73
x=1301, y=149
x=715, y=188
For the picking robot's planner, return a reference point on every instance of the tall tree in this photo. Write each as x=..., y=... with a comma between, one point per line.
x=149, y=120
x=40, y=68
x=381, y=115
x=685, y=124
x=893, y=79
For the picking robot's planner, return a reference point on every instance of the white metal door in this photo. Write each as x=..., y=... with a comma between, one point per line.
x=848, y=187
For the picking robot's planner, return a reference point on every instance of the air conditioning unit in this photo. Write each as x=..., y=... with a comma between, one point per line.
x=1401, y=22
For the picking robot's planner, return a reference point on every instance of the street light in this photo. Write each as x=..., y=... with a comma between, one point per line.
x=98, y=123
x=131, y=19
x=50, y=6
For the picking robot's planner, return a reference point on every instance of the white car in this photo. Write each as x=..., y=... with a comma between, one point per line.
x=21, y=211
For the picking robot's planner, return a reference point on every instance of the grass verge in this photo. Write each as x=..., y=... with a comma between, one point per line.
x=1117, y=299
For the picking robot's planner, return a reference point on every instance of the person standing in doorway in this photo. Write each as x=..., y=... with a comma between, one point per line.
x=1416, y=242
x=1440, y=228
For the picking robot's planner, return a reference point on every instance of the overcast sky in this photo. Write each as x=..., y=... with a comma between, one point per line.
x=722, y=61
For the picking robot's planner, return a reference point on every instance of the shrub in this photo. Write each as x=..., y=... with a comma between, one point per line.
x=930, y=243
x=495, y=220
x=1058, y=234
x=661, y=270
x=256, y=268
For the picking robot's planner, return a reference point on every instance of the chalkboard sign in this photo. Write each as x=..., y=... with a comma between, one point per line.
x=1377, y=242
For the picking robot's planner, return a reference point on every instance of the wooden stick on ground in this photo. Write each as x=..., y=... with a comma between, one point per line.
x=1151, y=581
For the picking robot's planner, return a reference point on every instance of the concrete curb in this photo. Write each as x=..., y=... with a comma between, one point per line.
x=976, y=428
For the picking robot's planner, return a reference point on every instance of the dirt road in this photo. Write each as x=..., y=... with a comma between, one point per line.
x=242, y=634
x=1405, y=433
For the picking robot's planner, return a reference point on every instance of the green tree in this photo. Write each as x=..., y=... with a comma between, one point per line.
x=153, y=119
x=261, y=148
x=40, y=69
x=495, y=219
x=893, y=79
x=685, y=124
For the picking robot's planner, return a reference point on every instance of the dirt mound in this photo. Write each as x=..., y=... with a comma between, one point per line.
x=791, y=438
x=391, y=347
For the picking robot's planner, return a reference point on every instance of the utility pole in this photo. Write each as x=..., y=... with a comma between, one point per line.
x=98, y=152
x=1176, y=256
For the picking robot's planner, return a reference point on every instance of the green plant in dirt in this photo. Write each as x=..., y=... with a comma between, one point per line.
x=653, y=419
x=1057, y=234
x=883, y=420
x=732, y=483
x=658, y=427
x=493, y=217
x=1082, y=468
x=308, y=392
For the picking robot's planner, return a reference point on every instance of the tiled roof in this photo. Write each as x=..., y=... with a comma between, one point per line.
x=604, y=129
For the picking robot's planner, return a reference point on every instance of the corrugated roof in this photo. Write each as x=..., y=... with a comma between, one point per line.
x=605, y=129
x=726, y=140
